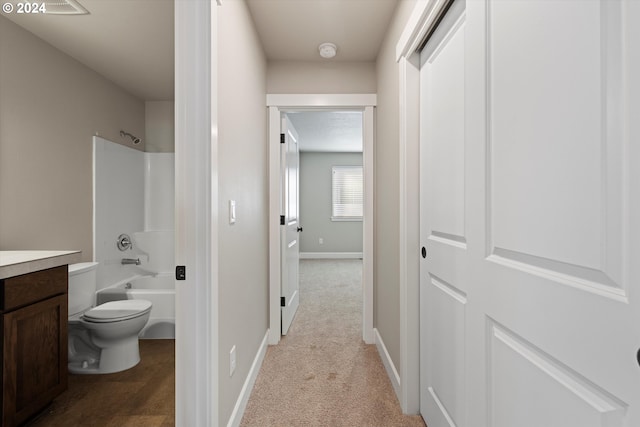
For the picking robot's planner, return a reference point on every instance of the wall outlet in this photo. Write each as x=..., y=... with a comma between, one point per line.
x=321, y=241
x=232, y=361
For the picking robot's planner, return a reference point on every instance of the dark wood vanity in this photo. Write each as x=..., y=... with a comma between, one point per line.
x=33, y=308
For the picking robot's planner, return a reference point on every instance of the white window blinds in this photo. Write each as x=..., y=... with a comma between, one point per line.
x=347, y=193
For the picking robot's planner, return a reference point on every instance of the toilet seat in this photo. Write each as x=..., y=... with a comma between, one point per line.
x=117, y=311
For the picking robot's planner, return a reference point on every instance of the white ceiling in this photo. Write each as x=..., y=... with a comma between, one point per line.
x=293, y=29
x=130, y=42
x=338, y=131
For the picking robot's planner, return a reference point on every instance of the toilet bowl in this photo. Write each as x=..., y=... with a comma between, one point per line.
x=102, y=339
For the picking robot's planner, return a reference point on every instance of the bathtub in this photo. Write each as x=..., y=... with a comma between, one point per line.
x=160, y=290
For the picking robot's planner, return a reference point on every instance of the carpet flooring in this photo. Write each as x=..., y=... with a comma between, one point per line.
x=322, y=373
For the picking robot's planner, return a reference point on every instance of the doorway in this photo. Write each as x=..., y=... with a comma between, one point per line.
x=330, y=196
x=279, y=104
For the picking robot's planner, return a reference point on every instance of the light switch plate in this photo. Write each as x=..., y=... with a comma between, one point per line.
x=232, y=211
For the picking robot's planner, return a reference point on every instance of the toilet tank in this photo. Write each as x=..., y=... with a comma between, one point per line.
x=82, y=286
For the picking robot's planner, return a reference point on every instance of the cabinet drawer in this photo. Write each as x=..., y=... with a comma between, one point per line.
x=22, y=290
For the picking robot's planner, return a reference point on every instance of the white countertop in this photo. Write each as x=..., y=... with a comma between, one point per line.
x=16, y=263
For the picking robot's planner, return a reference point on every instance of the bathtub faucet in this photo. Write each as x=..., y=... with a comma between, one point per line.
x=126, y=261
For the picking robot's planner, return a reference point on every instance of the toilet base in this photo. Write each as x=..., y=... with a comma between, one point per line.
x=104, y=348
x=84, y=367
x=114, y=359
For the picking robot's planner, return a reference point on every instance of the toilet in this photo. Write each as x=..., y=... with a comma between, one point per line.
x=102, y=339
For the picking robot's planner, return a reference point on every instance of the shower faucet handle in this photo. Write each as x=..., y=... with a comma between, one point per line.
x=124, y=242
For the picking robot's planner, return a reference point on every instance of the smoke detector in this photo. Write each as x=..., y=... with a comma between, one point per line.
x=327, y=50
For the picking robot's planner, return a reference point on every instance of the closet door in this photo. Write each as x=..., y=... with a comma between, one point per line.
x=530, y=289
x=444, y=283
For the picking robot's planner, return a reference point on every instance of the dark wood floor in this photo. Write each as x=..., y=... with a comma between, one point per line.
x=143, y=396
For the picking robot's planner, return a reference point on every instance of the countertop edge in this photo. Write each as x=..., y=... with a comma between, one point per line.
x=31, y=266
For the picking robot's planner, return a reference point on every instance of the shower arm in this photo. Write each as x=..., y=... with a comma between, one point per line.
x=134, y=138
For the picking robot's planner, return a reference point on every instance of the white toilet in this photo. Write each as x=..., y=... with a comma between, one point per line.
x=102, y=339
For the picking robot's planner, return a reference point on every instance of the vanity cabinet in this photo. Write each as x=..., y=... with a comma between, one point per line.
x=34, y=343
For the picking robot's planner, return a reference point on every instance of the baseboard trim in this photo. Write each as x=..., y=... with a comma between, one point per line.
x=392, y=372
x=330, y=255
x=243, y=398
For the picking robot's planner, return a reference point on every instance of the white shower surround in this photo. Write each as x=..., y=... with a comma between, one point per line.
x=159, y=191
x=133, y=191
x=118, y=206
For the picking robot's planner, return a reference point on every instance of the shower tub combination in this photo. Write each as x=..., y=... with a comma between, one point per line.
x=160, y=290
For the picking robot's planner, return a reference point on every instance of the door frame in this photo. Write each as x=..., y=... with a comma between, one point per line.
x=196, y=212
x=277, y=104
x=422, y=21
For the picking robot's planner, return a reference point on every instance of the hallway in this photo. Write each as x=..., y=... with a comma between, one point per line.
x=322, y=373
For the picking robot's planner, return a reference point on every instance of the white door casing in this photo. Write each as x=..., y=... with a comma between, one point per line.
x=277, y=104
x=530, y=215
x=289, y=240
x=196, y=213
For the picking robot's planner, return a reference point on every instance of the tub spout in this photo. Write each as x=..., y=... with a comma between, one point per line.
x=126, y=261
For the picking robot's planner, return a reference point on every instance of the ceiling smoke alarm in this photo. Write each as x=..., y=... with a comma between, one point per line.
x=327, y=50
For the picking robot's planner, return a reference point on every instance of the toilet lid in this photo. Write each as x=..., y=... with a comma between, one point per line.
x=117, y=310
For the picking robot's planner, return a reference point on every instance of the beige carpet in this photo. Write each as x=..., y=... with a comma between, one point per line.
x=322, y=373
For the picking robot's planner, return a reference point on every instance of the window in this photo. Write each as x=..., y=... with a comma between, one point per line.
x=347, y=194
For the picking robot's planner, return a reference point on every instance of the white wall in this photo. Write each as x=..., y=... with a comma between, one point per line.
x=387, y=184
x=133, y=191
x=242, y=176
x=119, y=206
x=159, y=126
x=321, y=77
x=315, y=205
x=50, y=108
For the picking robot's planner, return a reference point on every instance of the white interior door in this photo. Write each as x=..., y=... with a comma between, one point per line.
x=290, y=224
x=530, y=215
x=444, y=282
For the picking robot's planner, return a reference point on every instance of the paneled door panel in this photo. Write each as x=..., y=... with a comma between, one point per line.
x=443, y=106
x=556, y=142
x=289, y=241
x=570, y=399
x=443, y=288
x=530, y=215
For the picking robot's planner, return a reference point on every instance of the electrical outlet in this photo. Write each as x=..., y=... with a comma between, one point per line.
x=321, y=241
x=232, y=361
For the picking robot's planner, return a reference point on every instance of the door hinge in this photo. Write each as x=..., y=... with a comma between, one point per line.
x=283, y=302
x=281, y=219
x=282, y=138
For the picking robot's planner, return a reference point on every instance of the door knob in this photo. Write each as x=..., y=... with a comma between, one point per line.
x=299, y=229
x=424, y=252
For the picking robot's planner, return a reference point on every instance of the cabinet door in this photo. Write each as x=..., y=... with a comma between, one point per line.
x=34, y=358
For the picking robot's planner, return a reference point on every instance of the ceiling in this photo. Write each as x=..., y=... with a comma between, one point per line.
x=292, y=30
x=323, y=131
x=131, y=42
